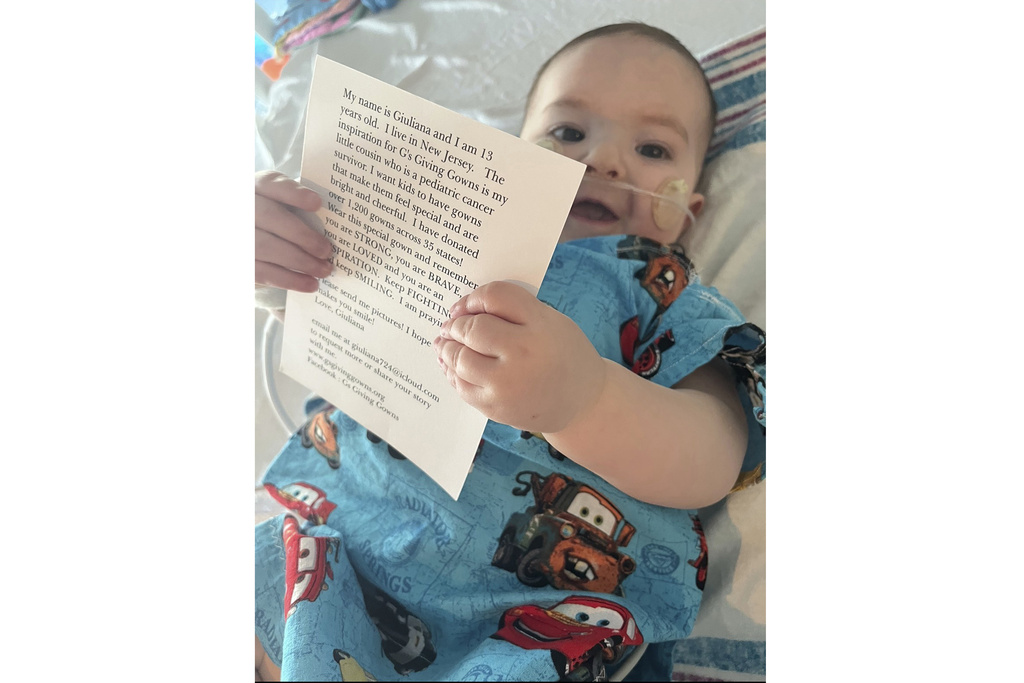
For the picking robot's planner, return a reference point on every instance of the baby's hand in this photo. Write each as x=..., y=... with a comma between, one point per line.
x=289, y=254
x=517, y=360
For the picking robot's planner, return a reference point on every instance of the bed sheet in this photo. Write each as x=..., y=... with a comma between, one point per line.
x=477, y=57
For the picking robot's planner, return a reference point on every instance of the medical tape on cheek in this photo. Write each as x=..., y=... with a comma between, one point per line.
x=669, y=207
x=548, y=143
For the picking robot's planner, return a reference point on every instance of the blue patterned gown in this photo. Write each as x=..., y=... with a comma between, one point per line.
x=541, y=570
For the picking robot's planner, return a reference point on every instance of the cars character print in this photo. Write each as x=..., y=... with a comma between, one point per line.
x=647, y=362
x=304, y=499
x=405, y=638
x=306, y=568
x=320, y=433
x=701, y=563
x=582, y=633
x=349, y=668
x=665, y=274
x=744, y=350
x=569, y=538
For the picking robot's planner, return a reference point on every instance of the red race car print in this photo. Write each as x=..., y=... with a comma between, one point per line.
x=306, y=568
x=583, y=634
x=648, y=362
x=305, y=499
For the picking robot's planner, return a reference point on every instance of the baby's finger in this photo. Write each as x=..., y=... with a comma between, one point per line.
x=278, y=220
x=276, y=276
x=281, y=188
x=503, y=299
x=461, y=362
x=272, y=249
x=486, y=334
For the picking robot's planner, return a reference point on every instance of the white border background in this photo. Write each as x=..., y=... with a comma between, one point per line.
x=892, y=296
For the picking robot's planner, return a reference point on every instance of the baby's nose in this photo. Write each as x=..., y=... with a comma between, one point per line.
x=604, y=160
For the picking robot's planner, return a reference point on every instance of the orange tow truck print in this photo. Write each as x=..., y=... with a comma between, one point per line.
x=569, y=538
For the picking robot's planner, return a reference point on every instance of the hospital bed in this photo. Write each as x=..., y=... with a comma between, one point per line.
x=478, y=57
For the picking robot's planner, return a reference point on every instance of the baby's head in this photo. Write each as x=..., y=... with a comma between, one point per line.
x=630, y=102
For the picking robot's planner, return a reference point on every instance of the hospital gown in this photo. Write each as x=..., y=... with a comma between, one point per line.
x=541, y=570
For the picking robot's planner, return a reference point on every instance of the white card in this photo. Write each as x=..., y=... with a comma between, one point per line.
x=423, y=205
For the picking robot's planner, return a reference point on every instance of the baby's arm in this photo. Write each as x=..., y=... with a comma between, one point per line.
x=680, y=447
x=289, y=254
x=524, y=364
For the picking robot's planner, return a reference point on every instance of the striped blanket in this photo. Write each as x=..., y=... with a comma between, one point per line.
x=736, y=72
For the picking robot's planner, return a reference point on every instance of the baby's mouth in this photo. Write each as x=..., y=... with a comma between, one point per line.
x=591, y=210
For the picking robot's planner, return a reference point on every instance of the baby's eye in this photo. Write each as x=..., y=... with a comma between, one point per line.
x=653, y=151
x=567, y=134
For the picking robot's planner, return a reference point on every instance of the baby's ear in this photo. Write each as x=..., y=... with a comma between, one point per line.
x=695, y=206
x=696, y=203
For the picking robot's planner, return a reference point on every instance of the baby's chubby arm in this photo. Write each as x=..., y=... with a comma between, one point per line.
x=289, y=254
x=524, y=364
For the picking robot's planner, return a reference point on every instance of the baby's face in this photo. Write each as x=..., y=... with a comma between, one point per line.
x=634, y=112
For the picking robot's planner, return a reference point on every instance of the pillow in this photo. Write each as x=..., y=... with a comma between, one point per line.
x=727, y=243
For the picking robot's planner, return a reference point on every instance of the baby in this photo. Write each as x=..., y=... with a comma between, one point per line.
x=616, y=404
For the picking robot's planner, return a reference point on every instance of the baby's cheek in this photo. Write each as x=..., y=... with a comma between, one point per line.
x=669, y=207
x=641, y=221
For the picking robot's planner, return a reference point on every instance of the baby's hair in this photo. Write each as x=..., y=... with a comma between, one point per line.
x=644, y=30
